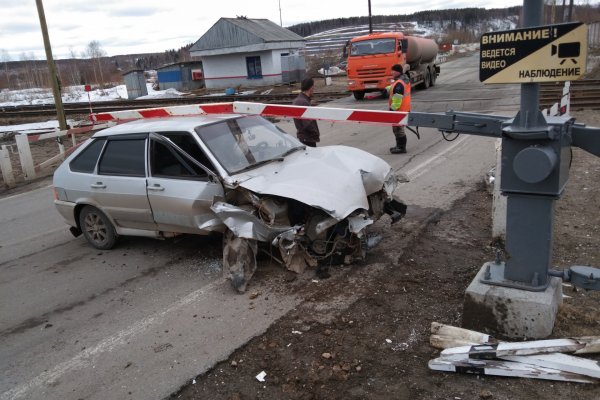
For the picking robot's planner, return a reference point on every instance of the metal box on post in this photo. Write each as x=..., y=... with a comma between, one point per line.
x=536, y=166
x=135, y=83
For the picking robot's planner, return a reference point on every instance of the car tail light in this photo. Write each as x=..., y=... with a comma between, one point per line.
x=59, y=194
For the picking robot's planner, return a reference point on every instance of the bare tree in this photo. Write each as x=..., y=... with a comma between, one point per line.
x=5, y=58
x=95, y=52
x=29, y=74
x=74, y=67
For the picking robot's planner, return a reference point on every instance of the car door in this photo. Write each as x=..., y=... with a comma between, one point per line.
x=119, y=186
x=180, y=191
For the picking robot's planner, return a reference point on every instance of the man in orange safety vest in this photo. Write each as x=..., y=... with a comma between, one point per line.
x=399, y=100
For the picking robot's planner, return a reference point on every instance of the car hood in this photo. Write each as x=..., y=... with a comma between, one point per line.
x=336, y=179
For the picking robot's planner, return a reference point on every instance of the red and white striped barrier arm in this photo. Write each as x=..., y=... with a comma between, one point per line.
x=322, y=113
x=68, y=132
x=192, y=109
x=267, y=110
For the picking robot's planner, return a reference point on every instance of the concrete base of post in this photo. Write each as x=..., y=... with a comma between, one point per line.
x=509, y=312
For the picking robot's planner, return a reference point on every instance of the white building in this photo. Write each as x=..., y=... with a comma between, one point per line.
x=249, y=52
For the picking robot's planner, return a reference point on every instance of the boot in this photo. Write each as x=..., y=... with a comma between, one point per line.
x=400, y=146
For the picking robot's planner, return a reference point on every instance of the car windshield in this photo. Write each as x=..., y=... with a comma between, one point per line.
x=374, y=46
x=246, y=142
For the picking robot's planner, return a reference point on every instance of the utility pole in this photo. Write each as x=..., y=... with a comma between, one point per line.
x=570, y=10
x=60, y=112
x=280, y=21
x=370, y=22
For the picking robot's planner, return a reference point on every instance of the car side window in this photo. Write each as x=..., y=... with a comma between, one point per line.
x=165, y=161
x=124, y=157
x=186, y=142
x=86, y=160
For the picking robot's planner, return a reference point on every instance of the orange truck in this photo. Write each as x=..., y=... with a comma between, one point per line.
x=370, y=59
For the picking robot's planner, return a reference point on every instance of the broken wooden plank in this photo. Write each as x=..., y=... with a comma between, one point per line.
x=506, y=368
x=485, y=351
x=559, y=361
x=589, y=344
x=461, y=334
x=444, y=342
x=592, y=344
x=446, y=333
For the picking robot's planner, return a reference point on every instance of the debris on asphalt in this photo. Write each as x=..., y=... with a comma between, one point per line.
x=261, y=376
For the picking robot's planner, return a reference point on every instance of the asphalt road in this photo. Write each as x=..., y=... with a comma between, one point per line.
x=140, y=321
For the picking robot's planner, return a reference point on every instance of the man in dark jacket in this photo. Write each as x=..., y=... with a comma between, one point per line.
x=306, y=129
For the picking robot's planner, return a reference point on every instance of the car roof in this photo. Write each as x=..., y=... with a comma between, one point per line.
x=164, y=124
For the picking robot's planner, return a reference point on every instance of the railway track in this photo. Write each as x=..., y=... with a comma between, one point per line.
x=72, y=109
x=585, y=94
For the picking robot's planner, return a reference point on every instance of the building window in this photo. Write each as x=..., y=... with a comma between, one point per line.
x=254, y=68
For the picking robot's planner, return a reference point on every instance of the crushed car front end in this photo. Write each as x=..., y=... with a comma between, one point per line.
x=313, y=208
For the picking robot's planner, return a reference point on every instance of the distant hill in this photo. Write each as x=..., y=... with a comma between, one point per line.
x=463, y=17
x=327, y=38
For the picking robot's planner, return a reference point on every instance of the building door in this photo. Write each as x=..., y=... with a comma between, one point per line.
x=254, y=68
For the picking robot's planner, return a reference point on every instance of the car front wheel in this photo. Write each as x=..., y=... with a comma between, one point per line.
x=97, y=228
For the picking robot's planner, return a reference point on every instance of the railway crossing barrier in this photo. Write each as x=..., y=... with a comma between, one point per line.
x=29, y=168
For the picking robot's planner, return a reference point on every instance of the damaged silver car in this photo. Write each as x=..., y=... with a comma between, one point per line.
x=238, y=175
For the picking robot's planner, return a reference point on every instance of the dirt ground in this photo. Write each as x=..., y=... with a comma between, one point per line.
x=364, y=333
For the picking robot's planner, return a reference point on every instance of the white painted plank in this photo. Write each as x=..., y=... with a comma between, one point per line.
x=575, y=345
x=506, y=368
x=563, y=362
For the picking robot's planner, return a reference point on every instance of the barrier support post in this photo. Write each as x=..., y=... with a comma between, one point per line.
x=25, y=156
x=61, y=146
x=6, y=167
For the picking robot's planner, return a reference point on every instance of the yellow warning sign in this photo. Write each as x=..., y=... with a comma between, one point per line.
x=536, y=54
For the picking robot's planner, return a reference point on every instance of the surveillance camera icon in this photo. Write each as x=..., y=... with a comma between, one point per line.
x=566, y=50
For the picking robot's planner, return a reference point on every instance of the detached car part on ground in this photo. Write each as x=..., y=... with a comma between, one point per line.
x=238, y=175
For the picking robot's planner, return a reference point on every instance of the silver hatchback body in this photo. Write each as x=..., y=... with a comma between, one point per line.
x=238, y=175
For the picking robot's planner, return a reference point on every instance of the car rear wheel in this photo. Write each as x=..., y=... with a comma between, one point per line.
x=97, y=228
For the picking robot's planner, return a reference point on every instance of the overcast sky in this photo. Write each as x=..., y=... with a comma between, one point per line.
x=145, y=26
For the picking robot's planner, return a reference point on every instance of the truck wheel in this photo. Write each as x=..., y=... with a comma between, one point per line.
x=359, y=94
x=427, y=80
x=432, y=80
